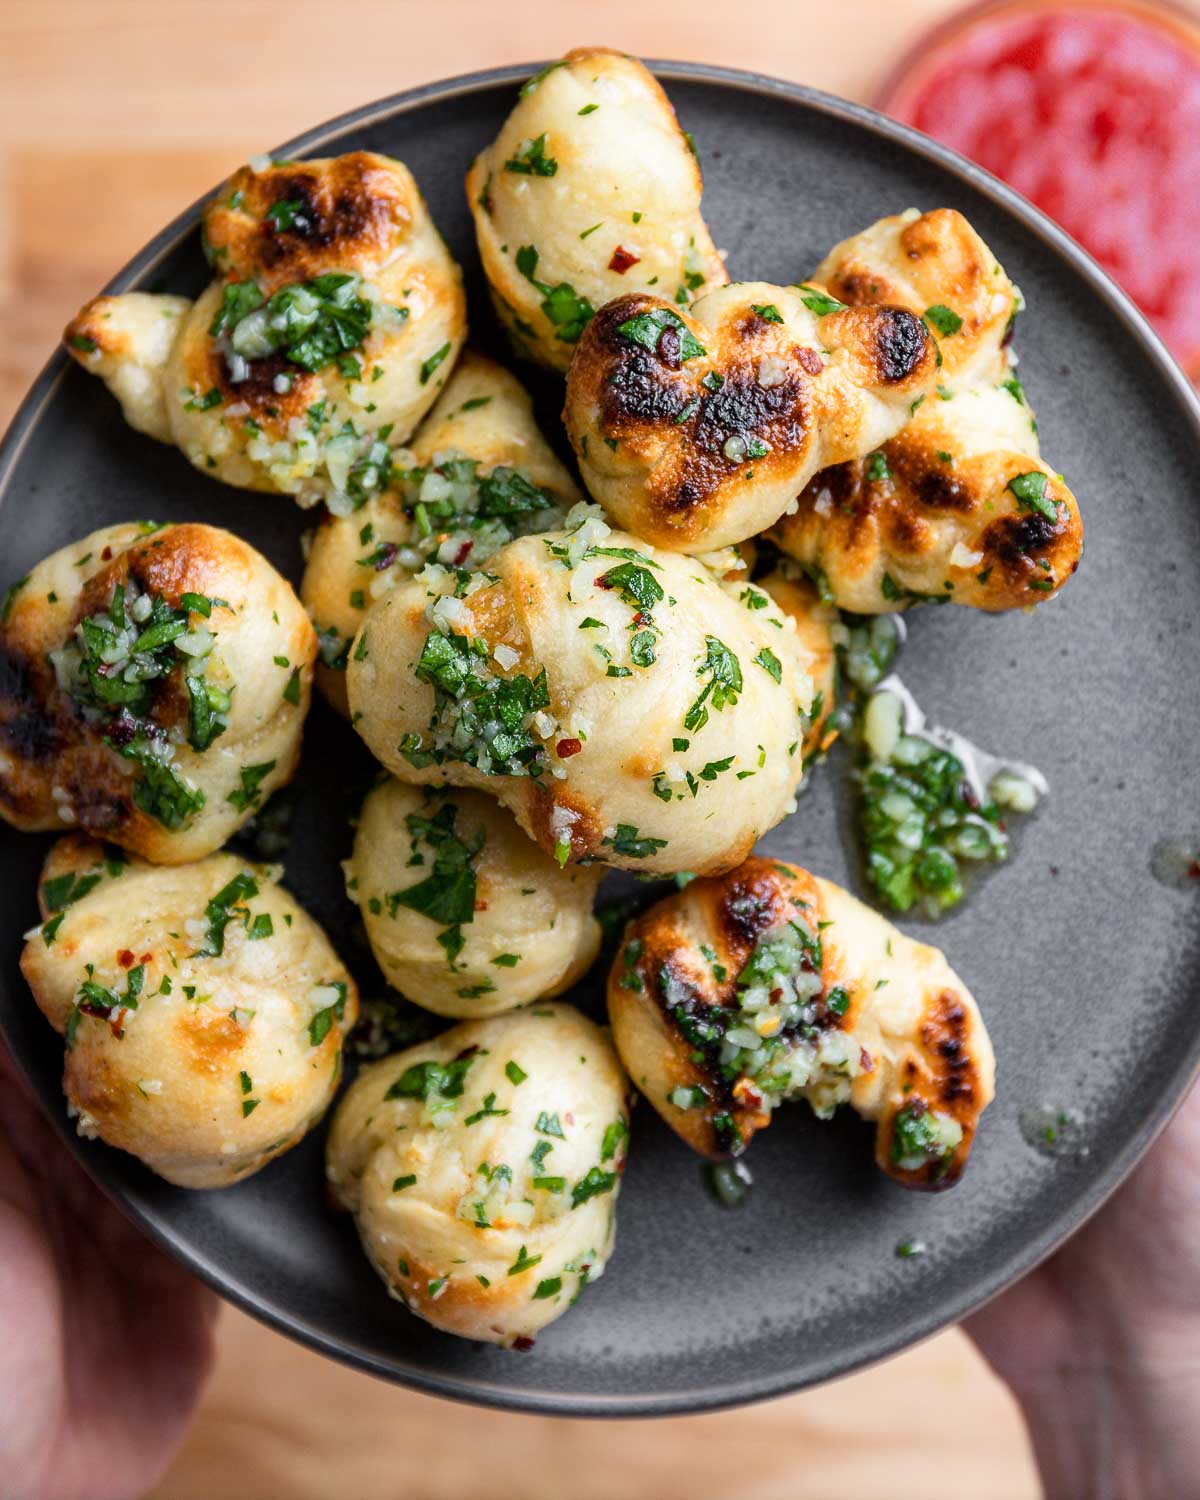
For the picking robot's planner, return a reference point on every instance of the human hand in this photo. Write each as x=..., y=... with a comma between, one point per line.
x=105, y=1343
x=1101, y=1344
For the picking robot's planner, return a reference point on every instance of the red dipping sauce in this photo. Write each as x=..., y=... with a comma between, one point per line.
x=1093, y=112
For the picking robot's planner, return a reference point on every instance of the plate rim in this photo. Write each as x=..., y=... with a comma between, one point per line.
x=864, y=1351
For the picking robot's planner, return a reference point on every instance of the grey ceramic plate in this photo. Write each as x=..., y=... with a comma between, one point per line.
x=1087, y=969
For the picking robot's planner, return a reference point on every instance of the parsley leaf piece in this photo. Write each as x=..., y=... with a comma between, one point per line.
x=1030, y=490
x=219, y=911
x=431, y=364
x=723, y=686
x=629, y=843
x=637, y=585
x=249, y=794
x=648, y=328
x=530, y=159
x=613, y=1136
x=423, y=1079
x=594, y=1182
x=319, y=1026
x=819, y=302
x=523, y=1262
x=942, y=318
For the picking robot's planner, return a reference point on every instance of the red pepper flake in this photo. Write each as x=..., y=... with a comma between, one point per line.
x=810, y=360
x=106, y=555
x=866, y=1061
x=145, y=958
x=522, y=1343
x=622, y=259
x=568, y=747
x=125, y=958
x=481, y=906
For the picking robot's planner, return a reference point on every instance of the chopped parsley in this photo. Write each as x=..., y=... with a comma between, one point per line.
x=249, y=794
x=1030, y=490
x=627, y=842
x=723, y=686
x=118, y=657
x=614, y=1134
x=447, y=894
x=523, y=1262
x=311, y=323
x=596, y=1181
x=221, y=910
x=943, y=319
x=921, y=1135
x=569, y=312
x=530, y=159
x=424, y=1080
x=819, y=302
x=162, y=794
x=322, y=1021
x=485, y=714
x=649, y=330
x=488, y=1109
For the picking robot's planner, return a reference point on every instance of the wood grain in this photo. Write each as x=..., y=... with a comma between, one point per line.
x=114, y=115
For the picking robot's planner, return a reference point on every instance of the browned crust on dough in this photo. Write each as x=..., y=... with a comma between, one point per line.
x=944, y=1078
x=681, y=986
x=657, y=408
x=348, y=208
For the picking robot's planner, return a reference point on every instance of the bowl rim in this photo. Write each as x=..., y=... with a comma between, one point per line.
x=921, y=1325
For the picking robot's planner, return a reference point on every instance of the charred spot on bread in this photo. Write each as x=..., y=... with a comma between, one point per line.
x=27, y=728
x=257, y=387
x=900, y=341
x=283, y=223
x=641, y=392
x=336, y=209
x=1023, y=548
x=750, y=904
x=857, y=288
x=936, y=488
x=944, y=1037
x=776, y=414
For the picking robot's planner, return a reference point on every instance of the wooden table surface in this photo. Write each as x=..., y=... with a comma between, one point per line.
x=114, y=115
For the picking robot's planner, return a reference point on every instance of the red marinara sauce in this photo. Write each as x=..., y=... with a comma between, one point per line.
x=1093, y=112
